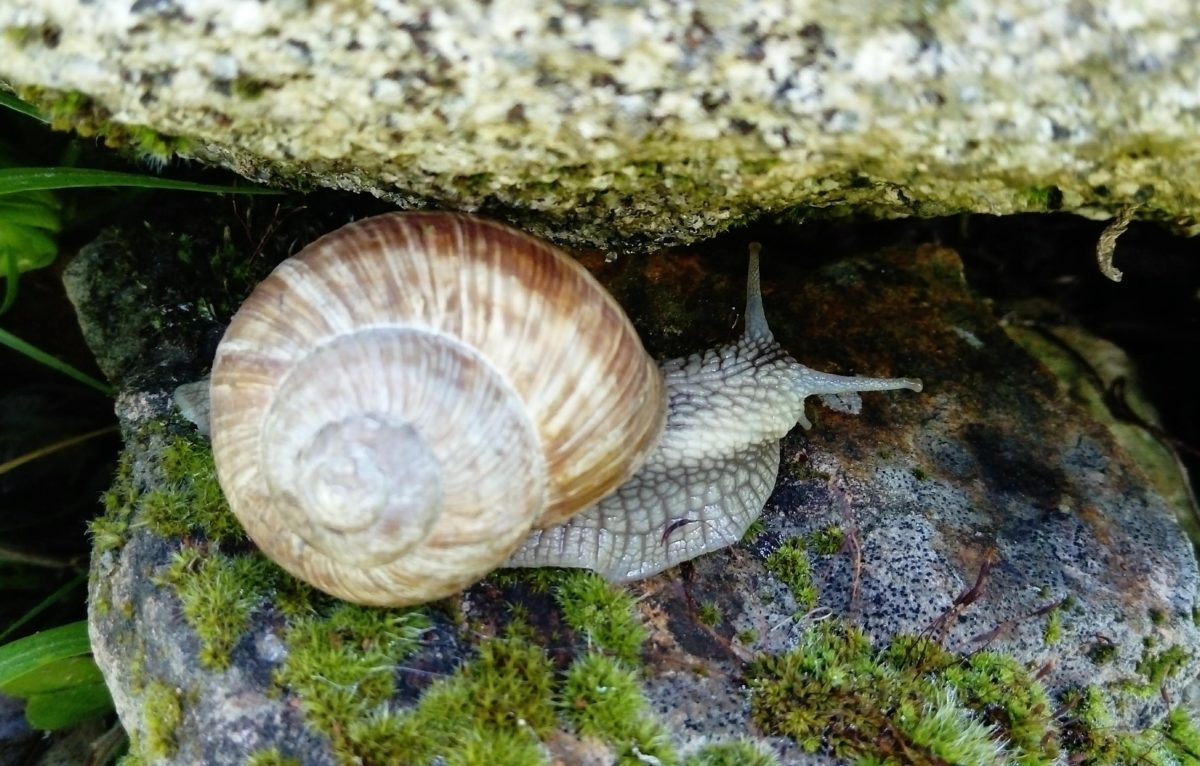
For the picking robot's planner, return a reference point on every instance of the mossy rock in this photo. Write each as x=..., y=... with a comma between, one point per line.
x=988, y=523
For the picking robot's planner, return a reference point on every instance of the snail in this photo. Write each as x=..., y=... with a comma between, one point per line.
x=417, y=399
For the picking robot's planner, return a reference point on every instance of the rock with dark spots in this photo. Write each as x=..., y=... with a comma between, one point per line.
x=978, y=512
x=629, y=125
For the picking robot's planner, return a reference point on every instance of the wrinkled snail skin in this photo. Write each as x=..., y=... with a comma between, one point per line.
x=418, y=399
x=715, y=466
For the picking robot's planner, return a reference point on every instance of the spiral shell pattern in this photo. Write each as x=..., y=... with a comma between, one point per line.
x=396, y=406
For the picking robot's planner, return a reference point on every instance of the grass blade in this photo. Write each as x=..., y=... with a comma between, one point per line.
x=35, y=353
x=17, y=105
x=45, y=604
x=50, y=449
x=13, y=180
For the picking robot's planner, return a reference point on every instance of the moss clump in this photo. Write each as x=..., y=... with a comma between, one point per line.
x=497, y=707
x=162, y=713
x=912, y=701
x=789, y=562
x=738, y=752
x=488, y=747
x=72, y=110
x=501, y=702
x=1053, y=631
x=1102, y=652
x=537, y=579
x=607, y=616
x=709, y=613
x=602, y=698
x=271, y=757
x=828, y=541
x=340, y=664
x=1158, y=667
x=188, y=501
x=110, y=530
x=915, y=703
x=511, y=685
x=216, y=600
x=1089, y=733
x=756, y=528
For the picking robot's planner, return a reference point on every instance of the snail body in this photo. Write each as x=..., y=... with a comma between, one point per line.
x=715, y=465
x=419, y=398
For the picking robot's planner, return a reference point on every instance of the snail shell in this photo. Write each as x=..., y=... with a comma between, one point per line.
x=381, y=424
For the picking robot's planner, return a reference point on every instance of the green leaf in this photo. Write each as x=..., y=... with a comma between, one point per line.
x=13, y=180
x=54, y=672
x=63, y=708
x=30, y=654
x=28, y=223
x=37, y=209
x=66, y=673
x=17, y=105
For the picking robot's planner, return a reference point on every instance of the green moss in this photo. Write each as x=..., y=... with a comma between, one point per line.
x=1181, y=736
x=271, y=757
x=1157, y=617
x=536, y=579
x=1001, y=693
x=946, y=732
x=1043, y=198
x=837, y=694
x=756, y=528
x=601, y=697
x=340, y=664
x=747, y=636
x=912, y=702
x=828, y=541
x=1089, y=733
x=162, y=713
x=500, y=703
x=72, y=110
x=489, y=747
x=607, y=616
x=110, y=530
x=188, y=501
x=738, y=752
x=511, y=684
x=789, y=562
x=1158, y=667
x=709, y=613
x=1102, y=652
x=216, y=600
x=1052, y=632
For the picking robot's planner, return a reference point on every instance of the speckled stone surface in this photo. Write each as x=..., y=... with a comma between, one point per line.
x=635, y=124
x=970, y=511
